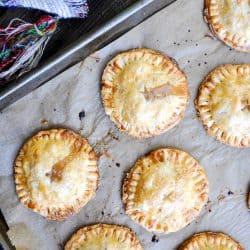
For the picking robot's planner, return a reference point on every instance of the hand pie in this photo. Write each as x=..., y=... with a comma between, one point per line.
x=104, y=237
x=56, y=173
x=165, y=190
x=223, y=104
x=144, y=92
x=229, y=20
x=210, y=240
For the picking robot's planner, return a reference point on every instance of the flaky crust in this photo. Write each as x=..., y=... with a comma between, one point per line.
x=229, y=21
x=210, y=240
x=165, y=190
x=223, y=104
x=144, y=92
x=248, y=200
x=56, y=173
x=103, y=236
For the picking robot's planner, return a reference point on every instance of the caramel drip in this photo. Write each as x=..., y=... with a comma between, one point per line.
x=162, y=91
x=57, y=169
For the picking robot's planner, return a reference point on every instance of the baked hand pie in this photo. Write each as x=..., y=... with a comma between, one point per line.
x=104, y=237
x=56, y=173
x=223, y=104
x=165, y=190
x=144, y=92
x=210, y=240
x=229, y=20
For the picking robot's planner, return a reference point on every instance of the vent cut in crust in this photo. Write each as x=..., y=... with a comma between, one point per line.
x=56, y=173
x=104, y=237
x=229, y=20
x=165, y=190
x=223, y=104
x=144, y=92
x=210, y=240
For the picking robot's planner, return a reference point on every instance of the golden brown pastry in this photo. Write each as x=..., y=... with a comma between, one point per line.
x=165, y=190
x=229, y=20
x=56, y=173
x=144, y=92
x=248, y=200
x=104, y=237
x=223, y=104
x=210, y=241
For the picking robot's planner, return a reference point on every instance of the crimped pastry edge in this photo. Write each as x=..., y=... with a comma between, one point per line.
x=130, y=180
x=21, y=188
x=218, y=238
x=229, y=41
x=126, y=127
x=121, y=232
x=203, y=111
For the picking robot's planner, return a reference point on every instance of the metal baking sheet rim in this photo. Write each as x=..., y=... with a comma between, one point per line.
x=83, y=47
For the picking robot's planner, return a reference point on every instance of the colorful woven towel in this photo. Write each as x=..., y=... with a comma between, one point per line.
x=62, y=8
x=22, y=45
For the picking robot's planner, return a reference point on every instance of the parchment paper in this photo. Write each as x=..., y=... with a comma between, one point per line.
x=180, y=32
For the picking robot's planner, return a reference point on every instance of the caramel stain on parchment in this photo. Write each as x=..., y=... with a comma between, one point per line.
x=210, y=36
x=102, y=146
x=44, y=122
x=221, y=197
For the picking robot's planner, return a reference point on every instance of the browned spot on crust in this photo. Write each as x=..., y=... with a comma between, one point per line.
x=158, y=156
x=31, y=205
x=245, y=104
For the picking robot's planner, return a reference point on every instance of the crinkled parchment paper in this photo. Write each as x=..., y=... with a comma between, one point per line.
x=180, y=32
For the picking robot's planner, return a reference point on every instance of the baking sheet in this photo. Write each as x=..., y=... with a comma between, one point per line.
x=180, y=32
x=77, y=39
